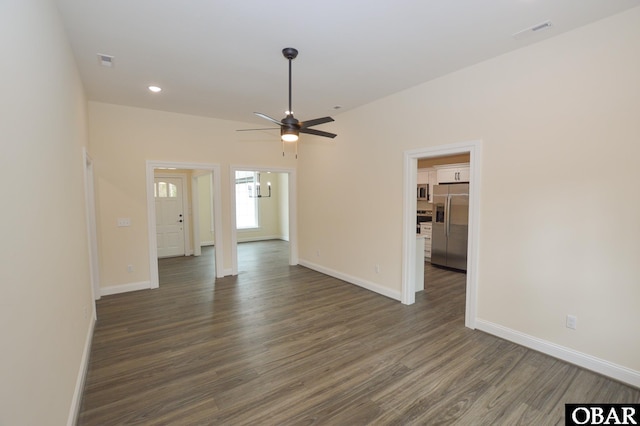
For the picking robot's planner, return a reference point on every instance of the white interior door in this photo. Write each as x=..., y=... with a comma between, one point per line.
x=169, y=216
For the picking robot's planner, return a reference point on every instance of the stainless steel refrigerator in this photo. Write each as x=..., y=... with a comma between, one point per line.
x=450, y=225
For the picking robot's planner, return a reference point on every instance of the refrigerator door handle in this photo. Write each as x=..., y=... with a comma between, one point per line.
x=447, y=215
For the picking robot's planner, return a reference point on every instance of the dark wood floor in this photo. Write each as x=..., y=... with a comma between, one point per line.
x=284, y=345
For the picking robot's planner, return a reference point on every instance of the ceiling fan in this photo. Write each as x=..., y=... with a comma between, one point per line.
x=291, y=127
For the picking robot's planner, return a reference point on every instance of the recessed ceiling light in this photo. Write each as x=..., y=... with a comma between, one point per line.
x=155, y=89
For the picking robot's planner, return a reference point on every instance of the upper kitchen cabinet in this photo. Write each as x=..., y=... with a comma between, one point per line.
x=433, y=180
x=423, y=184
x=423, y=176
x=453, y=173
x=427, y=178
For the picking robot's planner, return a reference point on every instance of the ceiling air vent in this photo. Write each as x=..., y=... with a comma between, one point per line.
x=528, y=32
x=105, y=60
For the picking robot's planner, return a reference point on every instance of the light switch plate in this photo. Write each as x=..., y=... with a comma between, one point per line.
x=572, y=322
x=124, y=221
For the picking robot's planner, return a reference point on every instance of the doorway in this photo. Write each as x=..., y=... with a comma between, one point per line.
x=287, y=202
x=214, y=170
x=409, y=269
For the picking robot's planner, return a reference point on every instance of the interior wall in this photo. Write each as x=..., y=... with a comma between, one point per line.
x=558, y=207
x=283, y=202
x=46, y=306
x=205, y=206
x=123, y=138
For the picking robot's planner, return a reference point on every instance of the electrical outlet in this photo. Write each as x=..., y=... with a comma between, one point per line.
x=317, y=253
x=124, y=221
x=129, y=268
x=84, y=312
x=572, y=322
x=377, y=268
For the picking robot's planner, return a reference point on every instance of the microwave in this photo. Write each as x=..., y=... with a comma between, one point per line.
x=423, y=191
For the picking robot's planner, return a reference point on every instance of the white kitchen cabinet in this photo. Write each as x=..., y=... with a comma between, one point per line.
x=426, y=231
x=423, y=176
x=423, y=185
x=454, y=173
x=433, y=181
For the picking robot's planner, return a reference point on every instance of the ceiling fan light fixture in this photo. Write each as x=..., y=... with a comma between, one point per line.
x=289, y=135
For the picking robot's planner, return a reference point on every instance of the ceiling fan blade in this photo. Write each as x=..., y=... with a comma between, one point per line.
x=266, y=117
x=318, y=133
x=316, y=121
x=249, y=130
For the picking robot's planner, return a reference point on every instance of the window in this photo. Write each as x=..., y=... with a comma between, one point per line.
x=246, y=201
x=165, y=190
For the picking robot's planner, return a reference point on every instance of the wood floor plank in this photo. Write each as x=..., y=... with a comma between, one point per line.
x=284, y=345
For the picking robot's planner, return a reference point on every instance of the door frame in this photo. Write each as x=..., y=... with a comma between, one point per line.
x=186, y=240
x=151, y=214
x=411, y=157
x=293, y=218
x=92, y=233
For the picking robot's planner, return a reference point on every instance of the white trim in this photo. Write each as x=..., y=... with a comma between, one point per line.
x=609, y=369
x=74, y=409
x=92, y=234
x=260, y=238
x=124, y=288
x=384, y=291
x=293, y=211
x=411, y=157
x=151, y=217
x=216, y=197
x=207, y=243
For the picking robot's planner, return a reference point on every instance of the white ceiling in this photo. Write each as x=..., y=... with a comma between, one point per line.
x=222, y=58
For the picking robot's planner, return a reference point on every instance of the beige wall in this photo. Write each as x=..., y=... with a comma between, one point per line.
x=559, y=204
x=283, y=205
x=45, y=294
x=205, y=213
x=122, y=139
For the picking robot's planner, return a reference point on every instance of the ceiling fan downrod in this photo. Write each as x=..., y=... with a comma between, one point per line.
x=290, y=53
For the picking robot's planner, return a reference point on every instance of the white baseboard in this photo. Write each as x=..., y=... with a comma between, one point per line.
x=352, y=280
x=124, y=288
x=242, y=239
x=74, y=410
x=606, y=368
x=226, y=273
